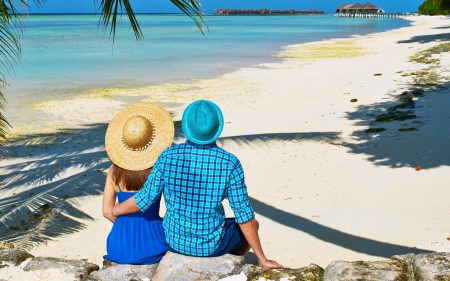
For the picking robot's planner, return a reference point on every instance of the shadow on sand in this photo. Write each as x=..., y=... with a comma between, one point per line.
x=428, y=38
x=40, y=194
x=413, y=130
x=48, y=177
x=333, y=236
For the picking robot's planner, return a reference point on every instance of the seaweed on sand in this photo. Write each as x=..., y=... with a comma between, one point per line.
x=395, y=116
x=407, y=102
x=425, y=56
x=408, y=129
x=374, y=130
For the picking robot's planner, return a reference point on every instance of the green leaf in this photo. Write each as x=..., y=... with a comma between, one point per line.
x=12, y=16
x=112, y=10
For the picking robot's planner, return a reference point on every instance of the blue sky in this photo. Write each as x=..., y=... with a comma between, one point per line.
x=165, y=6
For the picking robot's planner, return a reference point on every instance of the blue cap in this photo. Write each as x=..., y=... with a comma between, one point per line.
x=202, y=122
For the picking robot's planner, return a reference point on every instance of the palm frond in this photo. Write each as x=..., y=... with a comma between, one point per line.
x=9, y=47
x=11, y=26
x=112, y=8
x=192, y=8
x=3, y=122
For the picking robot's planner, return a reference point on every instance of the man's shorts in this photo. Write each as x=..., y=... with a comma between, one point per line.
x=233, y=239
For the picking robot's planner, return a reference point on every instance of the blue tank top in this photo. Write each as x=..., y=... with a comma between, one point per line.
x=136, y=238
x=151, y=213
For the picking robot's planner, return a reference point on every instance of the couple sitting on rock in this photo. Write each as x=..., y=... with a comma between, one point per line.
x=195, y=177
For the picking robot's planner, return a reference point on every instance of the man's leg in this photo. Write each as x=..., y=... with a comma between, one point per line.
x=245, y=247
x=232, y=240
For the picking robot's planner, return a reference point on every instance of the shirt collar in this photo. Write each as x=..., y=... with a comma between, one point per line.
x=201, y=146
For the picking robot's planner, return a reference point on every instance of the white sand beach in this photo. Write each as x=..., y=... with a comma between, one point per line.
x=322, y=187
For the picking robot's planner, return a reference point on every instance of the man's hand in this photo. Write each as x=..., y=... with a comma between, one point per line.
x=250, y=231
x=269, y=264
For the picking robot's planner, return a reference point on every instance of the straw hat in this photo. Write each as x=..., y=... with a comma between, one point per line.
x=202, y=122
x=138, y=134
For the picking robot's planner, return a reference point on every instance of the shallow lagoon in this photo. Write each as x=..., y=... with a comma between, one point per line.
x=68, y=52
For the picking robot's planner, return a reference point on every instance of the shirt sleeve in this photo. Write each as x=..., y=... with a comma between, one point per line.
x=151, y=190
x=238, y=196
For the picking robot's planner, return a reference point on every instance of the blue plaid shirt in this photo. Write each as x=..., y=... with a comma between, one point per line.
x=195, y=179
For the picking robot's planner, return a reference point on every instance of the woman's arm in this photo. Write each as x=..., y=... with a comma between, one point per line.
x=109, y=198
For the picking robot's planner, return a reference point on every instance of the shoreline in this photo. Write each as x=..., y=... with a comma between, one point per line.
x=316, y=178
x=47, y=113
x=19, y=101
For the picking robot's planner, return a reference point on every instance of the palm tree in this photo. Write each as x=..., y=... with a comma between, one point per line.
x=11, y=25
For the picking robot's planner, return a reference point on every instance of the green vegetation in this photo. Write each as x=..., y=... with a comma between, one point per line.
x=12, y=24
x=425, y=56
x=435, y=7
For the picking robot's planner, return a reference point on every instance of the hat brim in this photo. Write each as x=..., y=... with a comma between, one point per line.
x=144, y=159
x=188, y=133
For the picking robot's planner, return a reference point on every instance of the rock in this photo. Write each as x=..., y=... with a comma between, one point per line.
x=393, y=269
x=6, y=245
x=184, y=268
x=409, y=260
x=78, y=268
x=15, y=256
x=107, y=263
x=311, y=273
x=432, y=267
x=127, y=272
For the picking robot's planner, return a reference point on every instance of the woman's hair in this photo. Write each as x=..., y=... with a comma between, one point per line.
x=130, y=180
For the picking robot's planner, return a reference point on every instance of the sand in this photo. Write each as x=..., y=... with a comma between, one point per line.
x=322, y=187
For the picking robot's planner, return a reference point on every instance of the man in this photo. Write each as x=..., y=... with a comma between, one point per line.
x=196, y=176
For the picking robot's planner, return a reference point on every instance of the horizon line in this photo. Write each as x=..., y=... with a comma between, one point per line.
x=61, y=14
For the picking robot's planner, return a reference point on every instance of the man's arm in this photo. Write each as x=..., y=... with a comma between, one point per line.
x=244, y=215
x=127, y=207
x=250, y=231
x=145, y=197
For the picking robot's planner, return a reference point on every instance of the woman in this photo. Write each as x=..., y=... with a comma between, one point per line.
x=134, y=139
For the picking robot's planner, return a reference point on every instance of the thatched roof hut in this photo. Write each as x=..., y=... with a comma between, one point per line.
x=350, y=8
x=371, y=8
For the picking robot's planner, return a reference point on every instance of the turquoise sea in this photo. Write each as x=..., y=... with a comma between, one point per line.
x=66, y=53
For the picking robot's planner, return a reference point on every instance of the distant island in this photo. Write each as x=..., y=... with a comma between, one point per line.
x=264, y=11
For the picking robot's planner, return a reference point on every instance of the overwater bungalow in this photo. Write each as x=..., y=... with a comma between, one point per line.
x=264, y=11
x=350, y=8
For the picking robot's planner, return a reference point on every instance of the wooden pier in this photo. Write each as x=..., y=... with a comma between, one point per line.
x=380, y=15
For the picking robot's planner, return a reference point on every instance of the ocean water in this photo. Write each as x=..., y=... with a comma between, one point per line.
x=63, y=54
